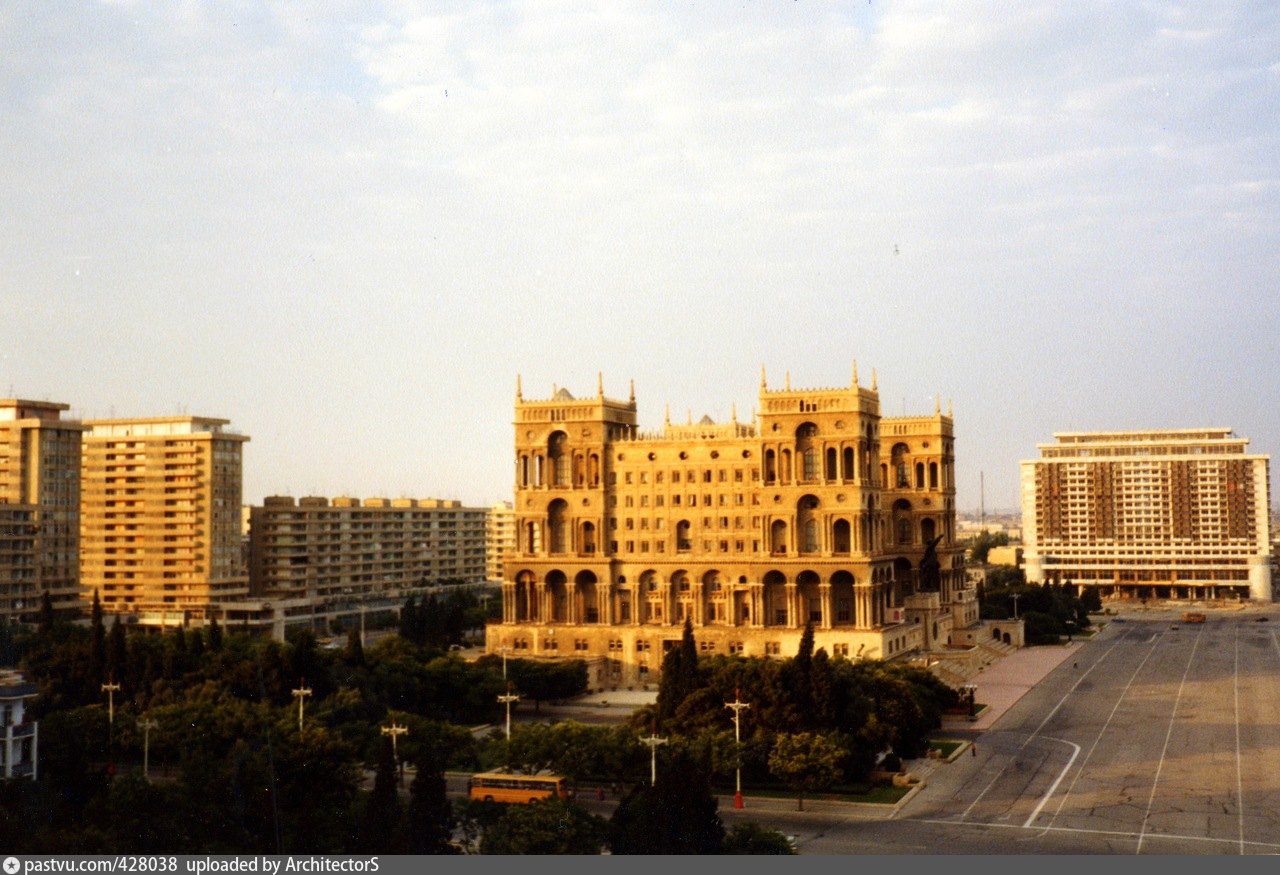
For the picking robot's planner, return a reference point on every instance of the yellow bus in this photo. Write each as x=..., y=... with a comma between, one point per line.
x=506, y=787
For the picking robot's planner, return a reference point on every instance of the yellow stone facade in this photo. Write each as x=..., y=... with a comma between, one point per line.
x=818, y=511
x=39, y=508
x=160, y=516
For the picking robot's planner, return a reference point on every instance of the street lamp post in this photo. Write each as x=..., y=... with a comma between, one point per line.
x=653, y=742
x=737, y=707
x=395, y=730
x=507, y=698
x=504, y=649
x=1015, y=598
x=111, y=689
x=146, y=726
x=972, y=692
x=301, y=694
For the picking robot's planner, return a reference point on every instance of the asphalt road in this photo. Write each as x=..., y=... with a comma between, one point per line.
x=1157, y=738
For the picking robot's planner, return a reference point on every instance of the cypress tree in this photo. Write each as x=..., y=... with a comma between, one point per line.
x=215, y=635
x=98, y=647
x=47, y=616
x=429, y=818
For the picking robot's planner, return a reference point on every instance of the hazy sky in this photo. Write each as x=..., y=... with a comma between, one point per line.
x=347, y=227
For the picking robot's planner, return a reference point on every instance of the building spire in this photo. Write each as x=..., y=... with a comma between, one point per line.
x=874, y=388
x=666, y=416
x=633, y=390
x=855, y=373
x=950, y=415
x=690, y=416
x=733, y=412
x=937, y=405
x=599, y=384
x=762, y=385
x=788, y=381
x=519, y=394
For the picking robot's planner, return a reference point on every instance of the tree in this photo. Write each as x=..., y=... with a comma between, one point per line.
x=380, y=825
x=215, y=635
x=429, y=817
x=752, y=838
x=1090, y=599
x=409, y=620
x=549, y=826
x=679, y=674
x=676, y=816
x=98, y=642
x=47, y=615
x=805, y=761
x=354, y=654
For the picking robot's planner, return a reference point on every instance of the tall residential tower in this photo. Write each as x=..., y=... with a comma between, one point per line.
x=39, y=508
x=160, y=516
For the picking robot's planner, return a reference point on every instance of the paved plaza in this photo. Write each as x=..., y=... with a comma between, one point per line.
x=1155, y=737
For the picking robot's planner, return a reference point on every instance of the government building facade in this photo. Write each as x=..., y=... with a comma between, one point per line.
x=1167, y=514
x=819, y=511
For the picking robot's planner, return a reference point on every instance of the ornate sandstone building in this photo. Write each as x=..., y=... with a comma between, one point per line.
x=819, y=511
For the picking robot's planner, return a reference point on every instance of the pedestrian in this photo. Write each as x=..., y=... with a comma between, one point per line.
x=973, y=748
x=1075, y=665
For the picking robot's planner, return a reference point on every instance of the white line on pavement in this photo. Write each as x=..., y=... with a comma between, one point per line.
x=1049, y=793
x=1168, y=734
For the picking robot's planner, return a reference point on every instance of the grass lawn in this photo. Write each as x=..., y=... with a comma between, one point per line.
x=945, y=746
x=878, y=794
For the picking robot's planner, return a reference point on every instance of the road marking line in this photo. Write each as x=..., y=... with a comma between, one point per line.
x=1049, y=793
x=1151, y=801
x=1239, y=776
x=1101, y=732
x=1099, y=832
x=1036, y=731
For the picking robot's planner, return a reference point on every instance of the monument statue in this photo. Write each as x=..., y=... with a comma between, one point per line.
x=930, y=576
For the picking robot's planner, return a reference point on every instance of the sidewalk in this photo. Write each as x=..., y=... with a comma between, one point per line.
x=1001, y=684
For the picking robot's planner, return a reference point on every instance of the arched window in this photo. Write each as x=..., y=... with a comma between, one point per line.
x=588, y=538
x=785, y=474
x=593, y=469
x=904, y=531
x=901, y=473
x=770, y=467
x=532, y=538
x=840, y=536
x=778, y=536
x=830, y=472
x=557, y=515
x=683, y=539
x=558, y=455
x=847, y=473
x=927, y=530
x=933, y=475
x=807, y=523
x=919, y=475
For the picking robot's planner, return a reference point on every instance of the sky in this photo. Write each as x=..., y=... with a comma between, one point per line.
x=347, y=227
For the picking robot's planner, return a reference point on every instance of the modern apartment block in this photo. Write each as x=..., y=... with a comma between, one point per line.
x=1181, y=514
x=499, y=538
x=818, y=511
x=316, y=560
x=160, y=516
x=39, y=508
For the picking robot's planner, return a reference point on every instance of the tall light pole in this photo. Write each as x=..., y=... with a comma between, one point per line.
x=395, y=730
x=146, y=726
x=301, y=694
x=737, y=706
x=1015, y=596
x=504, y=649
x=507, y=698
x=653, y=743
x=111, y=689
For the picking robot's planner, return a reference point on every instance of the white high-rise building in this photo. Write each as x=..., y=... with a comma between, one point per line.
x=1181, y=514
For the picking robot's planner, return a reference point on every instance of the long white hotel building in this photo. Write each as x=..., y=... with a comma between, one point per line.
x=1182, y=514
